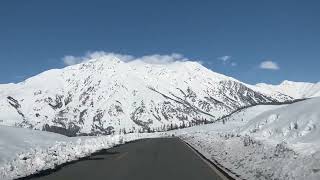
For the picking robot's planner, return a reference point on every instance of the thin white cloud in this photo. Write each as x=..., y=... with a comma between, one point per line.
x=151, y=59
x=224, y=59
x=162, y=59
x=71, y=60
x=100, y=54
x=234, y=64
x=270, y=65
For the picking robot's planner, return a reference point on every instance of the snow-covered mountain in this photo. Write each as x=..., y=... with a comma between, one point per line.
x=296, y=90
x=106, y=95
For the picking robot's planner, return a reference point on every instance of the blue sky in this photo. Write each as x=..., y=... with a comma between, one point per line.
x=251, y=40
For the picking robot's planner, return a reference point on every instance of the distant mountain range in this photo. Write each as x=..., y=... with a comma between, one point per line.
x=296, y=90
x=107, y=95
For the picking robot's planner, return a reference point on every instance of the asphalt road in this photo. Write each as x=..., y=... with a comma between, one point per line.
x=148, y=159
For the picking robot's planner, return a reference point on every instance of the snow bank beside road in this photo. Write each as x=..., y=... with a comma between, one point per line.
x=17, y=140
x=253, y=159
x=264, y=142
x=25, y=152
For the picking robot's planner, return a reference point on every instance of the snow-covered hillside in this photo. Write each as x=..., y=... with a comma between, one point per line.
x=297, y=90
x=106, y=95
x=264, y=142
x=232, y=123
x=296, y=123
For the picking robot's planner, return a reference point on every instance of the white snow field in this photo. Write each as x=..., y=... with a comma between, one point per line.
x=24, y=152
x=264, y=142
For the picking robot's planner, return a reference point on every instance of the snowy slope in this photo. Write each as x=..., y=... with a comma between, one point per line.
x=296, y=123
x=264, y=142
x=296, y=90
x=106, y=95
x=231, y=123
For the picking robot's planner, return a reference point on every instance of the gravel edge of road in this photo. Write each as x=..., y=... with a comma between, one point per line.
x=223, y=172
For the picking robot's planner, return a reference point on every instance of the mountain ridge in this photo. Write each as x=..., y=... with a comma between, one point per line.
x=294, y=89
x=106, y=95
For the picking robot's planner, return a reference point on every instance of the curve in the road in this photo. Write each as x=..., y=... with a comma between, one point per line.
x=147, y=159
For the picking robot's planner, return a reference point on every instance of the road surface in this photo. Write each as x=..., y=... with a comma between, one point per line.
x=148, y=159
